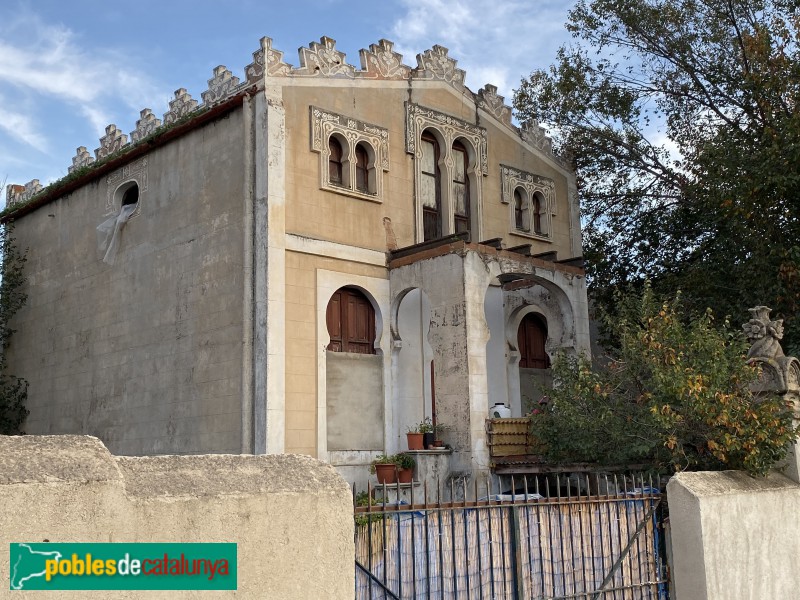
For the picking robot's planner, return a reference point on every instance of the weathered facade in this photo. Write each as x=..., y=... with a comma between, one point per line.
x=311, y=261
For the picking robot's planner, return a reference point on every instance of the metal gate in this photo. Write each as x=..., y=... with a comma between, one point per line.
x=535, y=544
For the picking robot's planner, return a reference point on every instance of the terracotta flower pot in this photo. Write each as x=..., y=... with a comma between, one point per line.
x=415, y=441
x=405, y=475
x=386, y=473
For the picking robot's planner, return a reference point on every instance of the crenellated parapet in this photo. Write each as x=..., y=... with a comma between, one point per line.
x=81, y=159
x=17, y=194
x=320, y=60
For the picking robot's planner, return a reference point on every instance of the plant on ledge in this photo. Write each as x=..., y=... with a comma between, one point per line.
x=13, y=390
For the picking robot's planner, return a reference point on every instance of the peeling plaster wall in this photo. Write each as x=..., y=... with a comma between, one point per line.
x=147, y=353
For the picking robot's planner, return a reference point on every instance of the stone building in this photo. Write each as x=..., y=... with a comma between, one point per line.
x=309, y=261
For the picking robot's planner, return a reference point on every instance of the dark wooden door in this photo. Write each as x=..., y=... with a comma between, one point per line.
x=531, y=339
x=351, y=322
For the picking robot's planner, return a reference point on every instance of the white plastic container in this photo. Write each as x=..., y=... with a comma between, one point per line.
x=499, y=411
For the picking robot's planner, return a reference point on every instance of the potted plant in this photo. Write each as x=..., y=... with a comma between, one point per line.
x=414, y=437
x=384, y=468
x=426, y=429
x=405, y=467
x=437, y=435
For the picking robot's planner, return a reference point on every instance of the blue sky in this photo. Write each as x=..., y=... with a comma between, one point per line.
x=69, y=68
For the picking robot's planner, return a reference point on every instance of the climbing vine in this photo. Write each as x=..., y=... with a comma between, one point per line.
x=13, y=390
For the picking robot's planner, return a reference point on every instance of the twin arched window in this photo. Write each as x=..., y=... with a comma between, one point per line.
x=339, y=172
x=528, y=211
x=431, y=190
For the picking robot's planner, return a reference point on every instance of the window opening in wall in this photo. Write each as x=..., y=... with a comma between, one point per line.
x=335, y=161
x=131, y=195
x=363, y=183
x=536, y=206
x=521, y=220
x=351, y=322
x=461, y=187
x=531, y=338
x=430, y=188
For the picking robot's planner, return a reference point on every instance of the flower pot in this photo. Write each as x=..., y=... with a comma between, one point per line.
x=438, y=443
x=415, y=441
x=427, y=440
x=405, y=475
x=386, y=473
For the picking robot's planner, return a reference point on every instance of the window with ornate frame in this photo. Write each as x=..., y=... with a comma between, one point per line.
x=532, y=202
x=461, y=162
x=364, y=154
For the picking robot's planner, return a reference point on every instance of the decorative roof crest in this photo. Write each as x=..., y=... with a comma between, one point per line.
x=491, y=102
x=382, y=62
x=16, y=194
x=220, y=86
x=111, y=142
x=268, y=57
x=436, y=64
x=181, y=106
x=322, y=58
x=145, y=125
x=536, y=136
x=81, y=159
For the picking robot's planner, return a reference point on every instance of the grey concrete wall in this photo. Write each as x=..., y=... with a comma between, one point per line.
x=354, y=401
x=145, y=354
x=285, y=513
x=734, y=537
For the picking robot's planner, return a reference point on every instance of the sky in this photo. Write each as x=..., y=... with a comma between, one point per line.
x=70, y=68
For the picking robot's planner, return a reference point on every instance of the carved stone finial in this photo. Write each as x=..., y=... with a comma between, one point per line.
x=780, y=373
x=16, y=194
x=764, y=334
x=491, y=102
x=266, y=61
x=436, y=64
x=536, y=136
x=145, y=125
x=220, y=86
x=111, y=142
x=322, y=58
x=181, y=106
x=382, y=62
x=81, y=159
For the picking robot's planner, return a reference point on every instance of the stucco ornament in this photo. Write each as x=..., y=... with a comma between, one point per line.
x=145, y=126
x=266, y=61
x=492, y=102
x=111, y=142
x=81, y=159
x=382, y=62
x=436, y=64
x=322, y=58
x=16, y=194
x=221, y=86
x=181, y=106
x=780, y=373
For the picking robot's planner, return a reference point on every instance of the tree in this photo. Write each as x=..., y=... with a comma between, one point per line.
x=13, y=390
x=675, y=396
x=682, y=120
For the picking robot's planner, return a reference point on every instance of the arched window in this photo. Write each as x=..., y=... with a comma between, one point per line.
x=521, y=217
x=351, y=322
x=430, y=188
x=536, y=206
x=131, y=195
x=531, y=339
x=363, y=183
x=461, y=187
x=335, y=161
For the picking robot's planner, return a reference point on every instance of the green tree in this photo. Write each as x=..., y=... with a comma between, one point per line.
x=682, y=120
x=674, y=396
x=13, y=390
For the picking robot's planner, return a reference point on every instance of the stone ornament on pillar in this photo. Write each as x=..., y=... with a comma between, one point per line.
x=221, y=86
x=780, y=373
x=146, y=125
x=111, y=142
x=181, y=106
x=81, y=159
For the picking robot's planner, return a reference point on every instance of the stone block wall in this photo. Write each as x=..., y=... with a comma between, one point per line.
x=290, y=516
